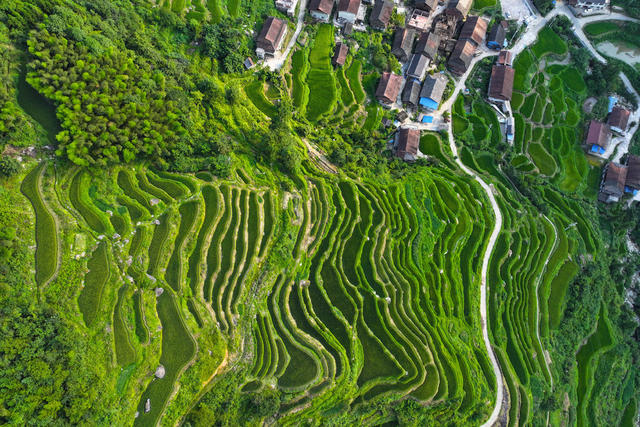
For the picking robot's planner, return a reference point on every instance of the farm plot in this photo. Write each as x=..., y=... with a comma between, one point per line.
x=321, y=79
x=47, y=246
x=94, y=282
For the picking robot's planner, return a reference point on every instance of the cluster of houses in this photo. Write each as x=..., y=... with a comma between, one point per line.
x=617, y=179
x=599, y=134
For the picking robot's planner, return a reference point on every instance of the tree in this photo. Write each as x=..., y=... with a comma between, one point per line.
x=9, y=166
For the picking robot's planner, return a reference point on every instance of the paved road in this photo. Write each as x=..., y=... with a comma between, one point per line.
x=278, y=60
x=497, y=227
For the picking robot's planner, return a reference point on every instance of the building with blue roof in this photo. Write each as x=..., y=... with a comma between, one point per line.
x=432, y=90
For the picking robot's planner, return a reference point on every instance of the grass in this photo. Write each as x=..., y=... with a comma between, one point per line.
x=255, y=92
x=346, y=96
x=559, y=287
x=600, y=28
x=178, y=348
x=233, y=6
x=523, y=65
x=79, y=196
x=125, y=353
x=299, y=70
x=216, y=10
x=90, y=297
x=549, y=42
x=355, y=83
x=320, y=79
x=601, y=339
x=322, y=93
x=572, y=78
x=374, y=117
x=483, y=4
x=46, y=255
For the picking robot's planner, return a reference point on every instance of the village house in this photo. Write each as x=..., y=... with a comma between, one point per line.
x=501, y=83
x=461, y=57
x=588, y=5
x=459, y=9
x=432, y=90
x=418, y=66
x=287, y=6
x=403, y=43
x=340, y=54
x=497, y=36
x=271, y=36
x=321, y=9
x=407, y=143
x=613, y=183
x=474, y=29
x=619, y=119
x=428, y=45
x=426, y=5
x=388, y=88
x=598, y=137
x=348, y=10
x=411, y=93
x=381, y=14
x=632, y=185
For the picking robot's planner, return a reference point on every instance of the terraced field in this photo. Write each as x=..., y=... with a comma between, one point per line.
x=548, y=117
x=374, y=281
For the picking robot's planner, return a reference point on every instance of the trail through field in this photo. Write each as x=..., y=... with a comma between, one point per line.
x=483, y=286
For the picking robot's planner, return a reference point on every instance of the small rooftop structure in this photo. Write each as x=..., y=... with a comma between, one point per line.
x=160, y=372
x=388, y=88
x=432, y=90
x=347, y=29
x=411, y=93
x=381, y=14
x=426, y=5
x=418, y=66
x=505, y=58
x=402, y=116
x=497, y=35
x=340, y=54
x=598, y=137
x=461, y=57
x=458, y=8
x=271, y=36
x=501, y=83
x=474, y=29
x=321, y=9
x=407, y=143
x=248, y=63
x=348, y=10
x=632, y=184
x=419, y=20
x=613, y=183
x=618, y=119
x=428, y=45
x=403, y=43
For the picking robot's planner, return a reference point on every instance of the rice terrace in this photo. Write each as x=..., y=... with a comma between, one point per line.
x=319, y=212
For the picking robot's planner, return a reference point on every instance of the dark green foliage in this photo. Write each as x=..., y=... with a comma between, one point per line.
x=127, y=114
x=9, y=166
x=44, y=375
